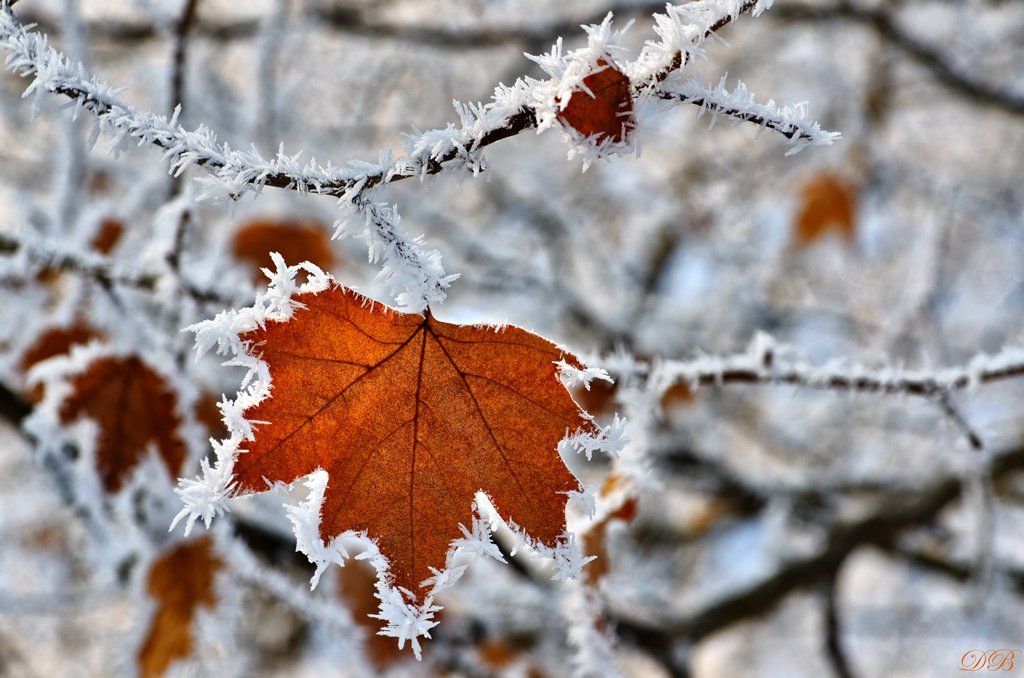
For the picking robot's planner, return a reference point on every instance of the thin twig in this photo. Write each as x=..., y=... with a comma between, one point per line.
x=833, y=634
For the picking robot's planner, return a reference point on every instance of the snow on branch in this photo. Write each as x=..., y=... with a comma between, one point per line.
x=25, y=250
x=790, y=120
x=767, y=362
x=412, y=275
x=512, y=110
x=681, y=31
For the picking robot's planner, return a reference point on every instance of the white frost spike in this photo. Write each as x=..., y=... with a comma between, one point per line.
x=565, y=556
x=404, y=620
x=305, y=520
x=790, y=120
x=573, y=376
x=207, y=497
x=609, y=439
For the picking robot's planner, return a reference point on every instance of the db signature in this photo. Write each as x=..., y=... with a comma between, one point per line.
x=1003, y=659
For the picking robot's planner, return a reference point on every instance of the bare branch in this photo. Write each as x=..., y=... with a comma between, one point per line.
x=928, y=56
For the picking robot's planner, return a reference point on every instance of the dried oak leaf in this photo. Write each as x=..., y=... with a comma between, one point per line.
x=133, y=408
x=609, y=112
x=294, y=240
x=180, y=581
x=411, y=416
x=828, y=204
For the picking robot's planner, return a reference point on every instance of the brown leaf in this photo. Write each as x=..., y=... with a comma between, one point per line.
x=133, y=407
x=294, y=240
x=828, y=204
x=609, y=113
x=677, y=395
x=107, y=236
x=411, y=416
x=497, y=653
x=599, y=399
x=54, y=342
x=180, y=581
x=594, y=540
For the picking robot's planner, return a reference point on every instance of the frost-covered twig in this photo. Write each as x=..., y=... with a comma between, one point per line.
x=790, y=121
x=413, y=276
x=766, y=362
x=511, y=111
x=44, y=252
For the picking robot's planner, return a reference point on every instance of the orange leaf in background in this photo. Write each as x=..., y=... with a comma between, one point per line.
x=677, y=395
x=54, y=342
x=496, y=653
x=57, y=341
x=598, y=399
x=594, y=540
x=107, y=236
x=180, y=581
x=410, y=417
x=609, y=113
x=828, y=204
x=294, y=240
x=132, y=407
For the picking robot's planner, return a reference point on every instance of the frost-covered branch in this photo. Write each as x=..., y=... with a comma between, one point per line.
x=766, y=362
x=512, y=110
x=43, y=252
x=790, y=121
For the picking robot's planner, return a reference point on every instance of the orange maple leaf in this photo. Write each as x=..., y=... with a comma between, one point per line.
x=132, y=407
x=609, y=112
x=180, y=581
x=411, y=416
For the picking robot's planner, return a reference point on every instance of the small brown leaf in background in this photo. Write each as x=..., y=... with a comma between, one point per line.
x=496, y=653
x=597, y=400
x=107, y=236
x=678, y=395
x=609, y=113
x=180, y=581
x=828, y=204
x=133, y=407
x=51, y=343
x=594, y=540
x=294, y=240
x=208, y=414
